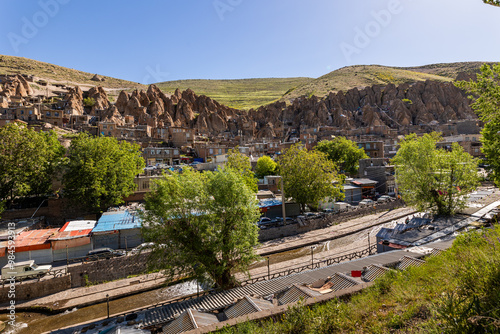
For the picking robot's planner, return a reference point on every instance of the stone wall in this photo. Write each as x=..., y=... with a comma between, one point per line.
x=107, y=270
x=324, y=221
x=28, y=290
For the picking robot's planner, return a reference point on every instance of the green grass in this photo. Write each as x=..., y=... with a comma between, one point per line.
x=360, y=76
x=239, y=94
x=455, y=292
x=20, y=65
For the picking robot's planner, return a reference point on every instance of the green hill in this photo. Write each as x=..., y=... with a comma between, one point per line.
x=367, y=75
x=50, y=72
x=240, y=94
x=454, y=292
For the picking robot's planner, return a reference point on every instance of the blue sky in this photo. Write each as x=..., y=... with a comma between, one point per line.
x=150, y=41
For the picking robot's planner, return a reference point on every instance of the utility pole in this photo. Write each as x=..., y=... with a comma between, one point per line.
x=268, y=269
x=283, y=211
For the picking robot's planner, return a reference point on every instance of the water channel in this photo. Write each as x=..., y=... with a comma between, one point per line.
x=32, y=322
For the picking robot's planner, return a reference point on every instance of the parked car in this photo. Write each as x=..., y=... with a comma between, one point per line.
x=366, y=202
x=141, y=248
x=265, y=222
x=311, y=214
x=384, y=198
x=287, y=221
x=25, y=269
x=103, y=253
x=328, y=210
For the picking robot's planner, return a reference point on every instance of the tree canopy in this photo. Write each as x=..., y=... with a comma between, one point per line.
x=343, y=152
x=204, y=223
x=265, y=166
x=101, y=171
x=28, y=161
x=434, y=179
x=486, y=95
x=241, y=163
x=492, y=2
x=309, y=176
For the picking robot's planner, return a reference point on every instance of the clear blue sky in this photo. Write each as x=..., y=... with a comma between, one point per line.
x=150, y=41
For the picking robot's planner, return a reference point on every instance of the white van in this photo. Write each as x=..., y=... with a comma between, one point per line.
x=25, y=269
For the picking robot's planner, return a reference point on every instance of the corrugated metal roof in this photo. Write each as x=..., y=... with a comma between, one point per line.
x=409, y=261
x=78, y=225
x=188, y=320
x=34, y=239
x=295, y=293
x=247, y=305
x=341, y=281
x=374, y=271
x=164, y=314
x=119, y=220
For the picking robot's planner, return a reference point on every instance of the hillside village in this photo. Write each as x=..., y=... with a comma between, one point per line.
x=183, y=128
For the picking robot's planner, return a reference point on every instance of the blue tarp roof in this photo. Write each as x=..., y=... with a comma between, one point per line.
x=119, y=220
x=269, y=202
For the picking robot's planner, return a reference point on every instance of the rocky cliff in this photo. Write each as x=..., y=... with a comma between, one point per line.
x=392, y=106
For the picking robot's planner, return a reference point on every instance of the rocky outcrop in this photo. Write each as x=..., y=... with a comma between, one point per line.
x=17, y=86
x=74, y=101
x=97, y=78
x=100, y=97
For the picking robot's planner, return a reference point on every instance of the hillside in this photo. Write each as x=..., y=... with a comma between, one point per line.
x=52, y=73
x=239, y=94
x=454, y=292
x=449, y=70
x=360, y=76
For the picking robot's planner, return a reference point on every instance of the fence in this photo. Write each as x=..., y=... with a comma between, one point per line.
x=314, y=265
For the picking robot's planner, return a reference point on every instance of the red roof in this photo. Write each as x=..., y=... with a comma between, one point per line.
x=34, y=239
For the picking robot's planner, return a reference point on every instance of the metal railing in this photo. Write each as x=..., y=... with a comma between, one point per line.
x=315, y=265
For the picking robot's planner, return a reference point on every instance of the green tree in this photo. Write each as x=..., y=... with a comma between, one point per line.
x=309, y=177
x=204, y=223
x=89, y=101
x=344, y=152
x=101, y=171
x=434, y=179
x=28, y=161
x=486, y=95
x=241, y=163
x=492, y=2
x=265, y=166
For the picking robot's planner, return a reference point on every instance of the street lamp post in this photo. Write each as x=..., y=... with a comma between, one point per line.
x=312, y=256
x=107, y=303
x=268, y=269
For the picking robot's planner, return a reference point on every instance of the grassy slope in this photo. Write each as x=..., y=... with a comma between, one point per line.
x=13, y=65
x=457, y=291
x=241, y=94
x=360, y=76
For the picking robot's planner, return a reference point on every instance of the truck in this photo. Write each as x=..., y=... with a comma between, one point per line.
x=340, y=206
x=25, y=269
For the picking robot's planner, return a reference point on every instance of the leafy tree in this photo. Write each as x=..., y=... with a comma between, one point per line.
x=101, y=171
x=28, y=161
x=486, y=95
x=89, y=101
x=492, y=2
x=265, y=166
x=434, y=179
x=204, y=223
x=308, y=176
x=343, y=152
x=241, y=163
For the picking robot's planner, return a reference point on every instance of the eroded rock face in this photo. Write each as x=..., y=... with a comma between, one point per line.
x=74, y=101
x=100, y=97
x=392, y=106
x=17, y=86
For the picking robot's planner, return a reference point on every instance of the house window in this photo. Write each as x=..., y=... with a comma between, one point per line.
x=56, y=114
x=211, y=151
x=367, y=146
x=31, y=112
x=48, y=113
